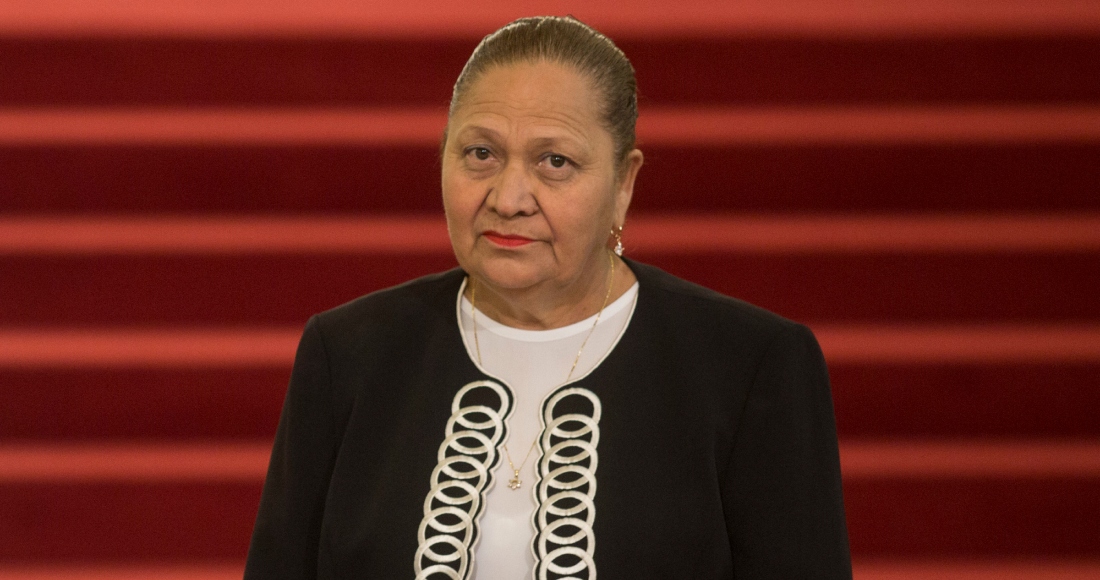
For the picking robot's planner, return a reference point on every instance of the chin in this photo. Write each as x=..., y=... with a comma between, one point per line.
x=510, y=274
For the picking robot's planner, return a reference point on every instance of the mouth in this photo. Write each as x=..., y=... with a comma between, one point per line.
x=506, y=240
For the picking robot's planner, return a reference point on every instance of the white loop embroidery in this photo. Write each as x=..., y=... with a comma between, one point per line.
x=564, y=540
x=461, y=476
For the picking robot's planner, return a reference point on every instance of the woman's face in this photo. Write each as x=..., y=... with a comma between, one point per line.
x=530, y=184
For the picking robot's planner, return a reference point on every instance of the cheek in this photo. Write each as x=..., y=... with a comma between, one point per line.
x=459, y=201
x=582, y=223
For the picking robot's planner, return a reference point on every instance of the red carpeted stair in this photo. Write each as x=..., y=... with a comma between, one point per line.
x=182, y=185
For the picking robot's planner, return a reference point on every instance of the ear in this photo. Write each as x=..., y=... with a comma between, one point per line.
x=624, y=188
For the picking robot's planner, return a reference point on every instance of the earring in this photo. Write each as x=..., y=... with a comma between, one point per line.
x=618, y=240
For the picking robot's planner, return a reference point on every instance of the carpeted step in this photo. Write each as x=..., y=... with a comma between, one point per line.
x=399, y=70
x=152, y=404
x=126, y=522
x=871, y=569
x=193, y=570
x=962, y=499
x=1007, y=568
x=136, y=504
x=785, y=178
x=904, y=500
x=930, y=401
x=249, y=289
x=873, y=400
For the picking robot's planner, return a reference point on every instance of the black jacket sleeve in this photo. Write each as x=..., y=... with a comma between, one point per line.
x=782, y=497
x=285, y=537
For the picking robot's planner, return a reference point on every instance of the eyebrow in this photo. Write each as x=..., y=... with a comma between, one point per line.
x=478, y=130
x=565, y=136
x=558, y=139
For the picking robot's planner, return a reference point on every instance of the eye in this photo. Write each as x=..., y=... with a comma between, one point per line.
x=557, y=167
x=481, y=153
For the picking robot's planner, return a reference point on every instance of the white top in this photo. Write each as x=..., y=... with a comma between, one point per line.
x=533, y=363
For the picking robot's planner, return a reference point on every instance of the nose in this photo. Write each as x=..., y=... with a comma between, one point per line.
x=513, y=193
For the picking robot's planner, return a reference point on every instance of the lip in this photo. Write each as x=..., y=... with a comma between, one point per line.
x=506, y=240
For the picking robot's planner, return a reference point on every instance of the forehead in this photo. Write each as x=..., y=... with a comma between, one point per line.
x=526, y=96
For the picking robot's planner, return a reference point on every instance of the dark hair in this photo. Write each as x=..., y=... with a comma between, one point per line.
x=567, y=41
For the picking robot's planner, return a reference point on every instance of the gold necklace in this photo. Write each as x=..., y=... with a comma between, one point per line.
x=515, y=482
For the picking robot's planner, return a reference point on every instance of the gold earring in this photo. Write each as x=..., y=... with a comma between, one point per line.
x=618, y=240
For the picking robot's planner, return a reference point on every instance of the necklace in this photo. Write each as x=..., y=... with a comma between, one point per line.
x=515, y=482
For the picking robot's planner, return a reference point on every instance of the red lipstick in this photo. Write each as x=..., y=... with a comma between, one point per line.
x=506, y=240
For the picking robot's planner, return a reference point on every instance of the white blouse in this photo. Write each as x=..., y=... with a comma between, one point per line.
x=533, y=363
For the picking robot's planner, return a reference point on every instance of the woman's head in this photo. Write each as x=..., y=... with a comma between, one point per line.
x=534, y=176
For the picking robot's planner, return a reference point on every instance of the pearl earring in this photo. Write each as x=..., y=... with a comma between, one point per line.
x=618, y=240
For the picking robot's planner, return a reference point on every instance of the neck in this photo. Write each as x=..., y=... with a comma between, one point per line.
x=543, y=308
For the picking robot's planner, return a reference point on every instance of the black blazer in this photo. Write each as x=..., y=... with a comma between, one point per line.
x=703, y=447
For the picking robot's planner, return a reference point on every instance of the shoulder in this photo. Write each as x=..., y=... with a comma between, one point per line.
x=392, y=315
x=431, y=292
x=685, y=303
x=715, y=335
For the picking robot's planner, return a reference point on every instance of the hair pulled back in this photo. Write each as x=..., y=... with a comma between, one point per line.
x=570, y=42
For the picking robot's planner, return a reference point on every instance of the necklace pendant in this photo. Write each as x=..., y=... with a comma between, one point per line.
x=515, y=482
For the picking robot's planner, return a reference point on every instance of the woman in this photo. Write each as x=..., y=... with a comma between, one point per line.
x=550, y=410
